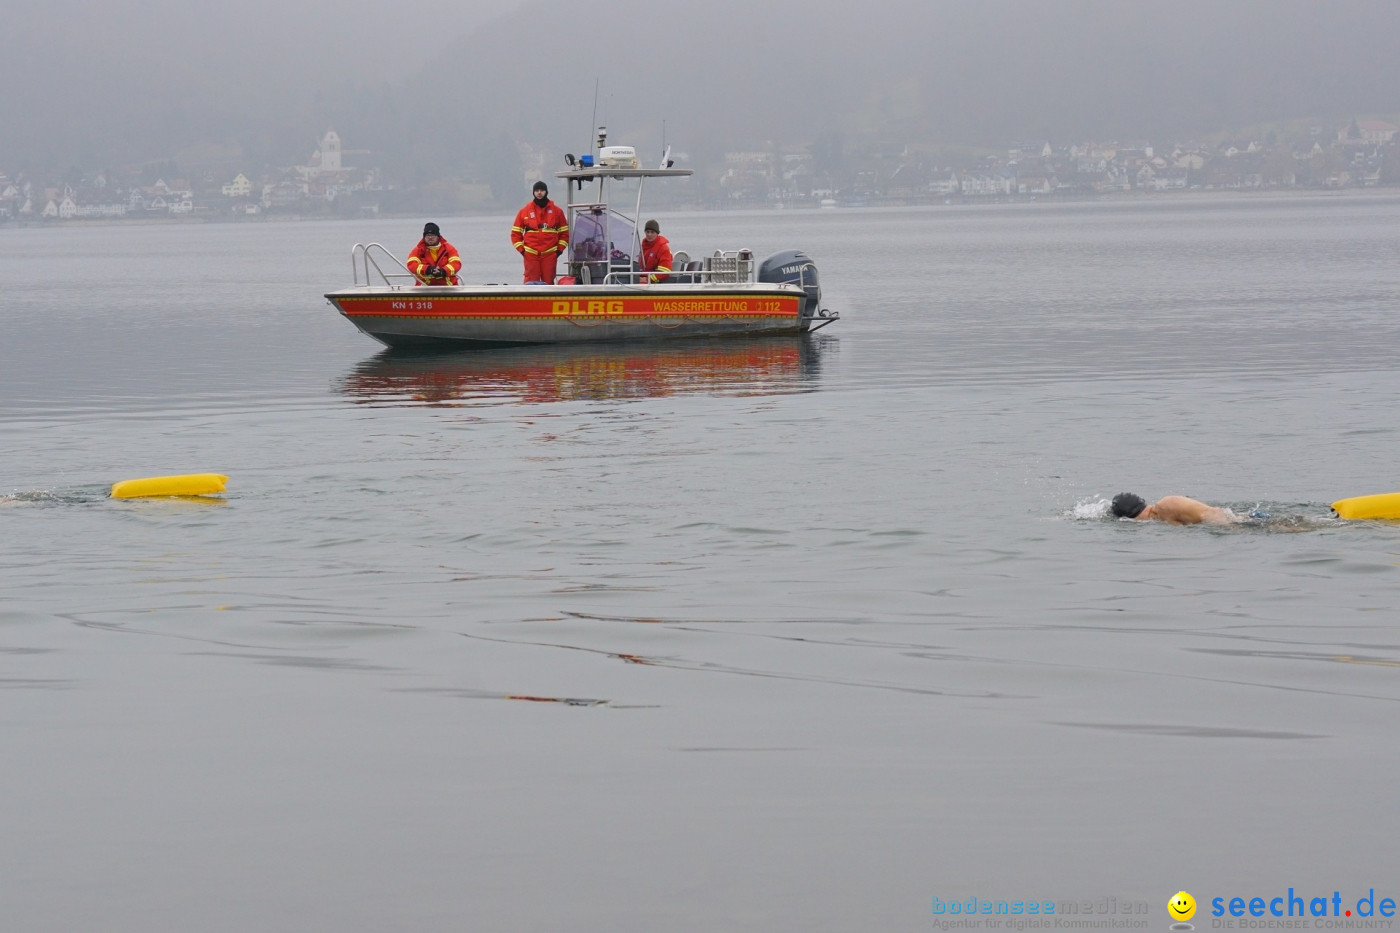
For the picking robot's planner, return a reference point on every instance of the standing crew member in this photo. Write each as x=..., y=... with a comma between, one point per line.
x=656, y=254
x=434, y=260
x=540, y=234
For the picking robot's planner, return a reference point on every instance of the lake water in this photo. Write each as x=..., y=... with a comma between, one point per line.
x=740, y=636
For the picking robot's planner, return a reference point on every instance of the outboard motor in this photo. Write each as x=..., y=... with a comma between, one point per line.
x=793, y=266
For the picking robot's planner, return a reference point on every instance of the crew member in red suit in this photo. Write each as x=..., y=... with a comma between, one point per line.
x=656, y=254
x=434, y=260
x=540, y=234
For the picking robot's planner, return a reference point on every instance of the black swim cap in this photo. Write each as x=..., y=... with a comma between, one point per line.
x=1127, y=505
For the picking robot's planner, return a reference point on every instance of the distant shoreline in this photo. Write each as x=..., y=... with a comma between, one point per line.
x=884, y=203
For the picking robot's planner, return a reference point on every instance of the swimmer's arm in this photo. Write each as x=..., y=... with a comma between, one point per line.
x=1180, y=510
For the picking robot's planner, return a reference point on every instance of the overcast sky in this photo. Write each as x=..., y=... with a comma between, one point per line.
x=96, y=83
x=95, y=75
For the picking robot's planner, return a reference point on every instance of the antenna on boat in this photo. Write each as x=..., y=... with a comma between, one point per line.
x=593, y=120
x=602, y=130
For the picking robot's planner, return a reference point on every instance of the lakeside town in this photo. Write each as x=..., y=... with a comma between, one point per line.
x=339, y=182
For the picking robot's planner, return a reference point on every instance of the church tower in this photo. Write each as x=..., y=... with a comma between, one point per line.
x=330, y=152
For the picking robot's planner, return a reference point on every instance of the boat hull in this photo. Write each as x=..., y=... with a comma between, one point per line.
x=500, y=315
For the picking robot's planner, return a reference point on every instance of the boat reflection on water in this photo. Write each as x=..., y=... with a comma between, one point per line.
x=554, y=373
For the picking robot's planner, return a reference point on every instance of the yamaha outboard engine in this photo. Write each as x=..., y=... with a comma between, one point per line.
x=795, y=267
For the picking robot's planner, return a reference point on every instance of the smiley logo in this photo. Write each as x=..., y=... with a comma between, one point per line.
x=1182, y=906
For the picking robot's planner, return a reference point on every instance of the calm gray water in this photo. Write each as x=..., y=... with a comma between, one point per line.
x=740, y=636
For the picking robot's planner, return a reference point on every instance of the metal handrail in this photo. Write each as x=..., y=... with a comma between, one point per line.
x=675, y=277
x=364, y=256
x=706, y=273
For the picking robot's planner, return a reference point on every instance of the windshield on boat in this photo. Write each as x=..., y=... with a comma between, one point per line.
x=602, y=240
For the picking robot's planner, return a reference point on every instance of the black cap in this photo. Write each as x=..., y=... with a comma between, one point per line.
x=652, y=225
x=540, y=186
x=1127, y=505
x=432, y=228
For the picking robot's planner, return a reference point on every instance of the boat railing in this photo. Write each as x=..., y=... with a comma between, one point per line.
x=723, y=267
x=373, y=256
x=802, y=274
x=701, y=274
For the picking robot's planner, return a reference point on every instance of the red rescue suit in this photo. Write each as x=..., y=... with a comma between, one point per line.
x=444, y=256
x=540, y=234
x=655, y=257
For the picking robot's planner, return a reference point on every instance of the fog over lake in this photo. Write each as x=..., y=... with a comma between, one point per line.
x=104, y=85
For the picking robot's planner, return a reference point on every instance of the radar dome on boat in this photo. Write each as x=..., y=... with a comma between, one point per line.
x=618, y=156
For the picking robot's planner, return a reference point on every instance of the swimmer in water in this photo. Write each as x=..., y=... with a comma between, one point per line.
x=1174, y=510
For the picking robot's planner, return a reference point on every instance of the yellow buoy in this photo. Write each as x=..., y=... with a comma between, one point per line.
x=189, y=484
x=1385, y=505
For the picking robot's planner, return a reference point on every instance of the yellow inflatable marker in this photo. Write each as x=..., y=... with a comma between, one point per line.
x=1385, y=505
x=190, y=484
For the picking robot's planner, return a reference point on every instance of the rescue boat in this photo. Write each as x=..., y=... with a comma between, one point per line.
x=602, y=296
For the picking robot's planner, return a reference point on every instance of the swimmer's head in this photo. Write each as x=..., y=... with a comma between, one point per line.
x=1127, y=505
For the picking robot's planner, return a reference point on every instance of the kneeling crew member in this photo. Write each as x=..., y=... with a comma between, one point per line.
x=434, y=260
